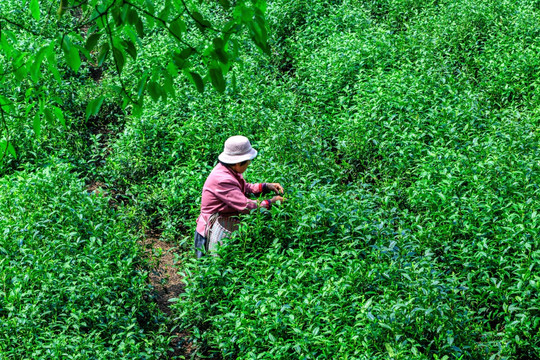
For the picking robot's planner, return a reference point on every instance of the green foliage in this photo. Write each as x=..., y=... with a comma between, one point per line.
x=410, y=229
x=404, y=132
x=107, y=33
x=69, y=284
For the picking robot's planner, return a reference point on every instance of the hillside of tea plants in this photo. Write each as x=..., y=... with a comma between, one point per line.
x=406, y=135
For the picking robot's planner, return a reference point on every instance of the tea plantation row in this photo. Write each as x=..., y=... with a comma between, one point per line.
x=410, y=156
x=73, y=283
x=406, y=136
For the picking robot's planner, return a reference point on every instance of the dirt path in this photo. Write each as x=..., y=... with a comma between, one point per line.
x=163, y=276
x=167, y=283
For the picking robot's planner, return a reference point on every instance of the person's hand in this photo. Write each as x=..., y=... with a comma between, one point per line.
x=275, y=187
x=277, y=198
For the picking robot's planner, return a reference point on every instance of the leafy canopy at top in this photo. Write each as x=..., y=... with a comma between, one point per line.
x=42, y=41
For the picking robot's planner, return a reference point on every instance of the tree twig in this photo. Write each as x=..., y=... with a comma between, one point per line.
x=157, y=18
x=109, y=33
x=197, y=21
x=19, y=26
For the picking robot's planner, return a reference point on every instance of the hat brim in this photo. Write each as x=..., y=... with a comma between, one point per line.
x=235, y=159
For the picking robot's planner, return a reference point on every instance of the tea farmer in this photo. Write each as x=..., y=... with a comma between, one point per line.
x=225, y=192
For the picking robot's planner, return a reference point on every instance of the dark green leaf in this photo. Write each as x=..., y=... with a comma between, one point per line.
x=6, y=104
x=132, y=17
x=219, y=49
x=172, y=69
x=259, y=20
x=259, y=36
x=218, y=43
x=92, y=41
x=37, y=125
x=103, y=53
x=84, y=52
x=124, y=13
x=198, y=81
x=139, y=27
x=3, y=146
x=48, y=116
x=150, y=6
x=5, y=44
x=52, y=64
x=142, y=84
x=164, y=14
x=36, y=65
x=246, y=14
x=11, y=149
x=137, y=109
x=225, y=3
x=71, y=54
x=231, y=26
x=54, y=70
x=218, y=81
x=197, y=16
x=200, y=22
x=178, y=27
x=184, y=54
x=20, y=66
x=9, y=146
x=34, y=9
x=130, y=48
x=179, y=61
x=59, y=115
x=154, y=90
x=74, y=59
x=119, y=58
x=117, y=16
x=93, y=107
x=168, y=84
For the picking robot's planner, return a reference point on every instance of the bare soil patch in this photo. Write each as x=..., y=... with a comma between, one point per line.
x=164, y=276
x=167, y=284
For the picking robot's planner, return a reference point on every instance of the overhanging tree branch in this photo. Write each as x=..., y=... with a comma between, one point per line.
x=165, y=24
x=196, y=20
x=19, y=26
x=108, y=18
x=108, y=30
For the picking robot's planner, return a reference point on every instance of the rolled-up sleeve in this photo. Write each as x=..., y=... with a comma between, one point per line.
x=231, y=195
x=255, y=189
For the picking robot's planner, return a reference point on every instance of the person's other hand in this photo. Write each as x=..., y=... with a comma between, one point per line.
x=275, y=187
x=277, y=198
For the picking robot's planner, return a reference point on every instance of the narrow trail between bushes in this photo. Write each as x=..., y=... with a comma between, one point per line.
x=163, y=274
x=167, y=283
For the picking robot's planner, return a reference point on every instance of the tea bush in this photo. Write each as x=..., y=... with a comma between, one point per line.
x=411, y=229
x=73, y=282
x=406, y=136
x=338, y=283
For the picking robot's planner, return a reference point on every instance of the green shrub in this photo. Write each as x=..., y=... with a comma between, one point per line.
x=73, y=284
x=411, y=227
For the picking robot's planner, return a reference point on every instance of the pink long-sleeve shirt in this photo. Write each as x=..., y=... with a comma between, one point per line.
x=225, y=191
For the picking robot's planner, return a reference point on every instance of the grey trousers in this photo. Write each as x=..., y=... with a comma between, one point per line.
x=200, y=245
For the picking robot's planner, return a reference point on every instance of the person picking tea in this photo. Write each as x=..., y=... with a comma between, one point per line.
x=225, y=195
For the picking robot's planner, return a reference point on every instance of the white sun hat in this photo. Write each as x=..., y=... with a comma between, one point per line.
x=237, y=149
